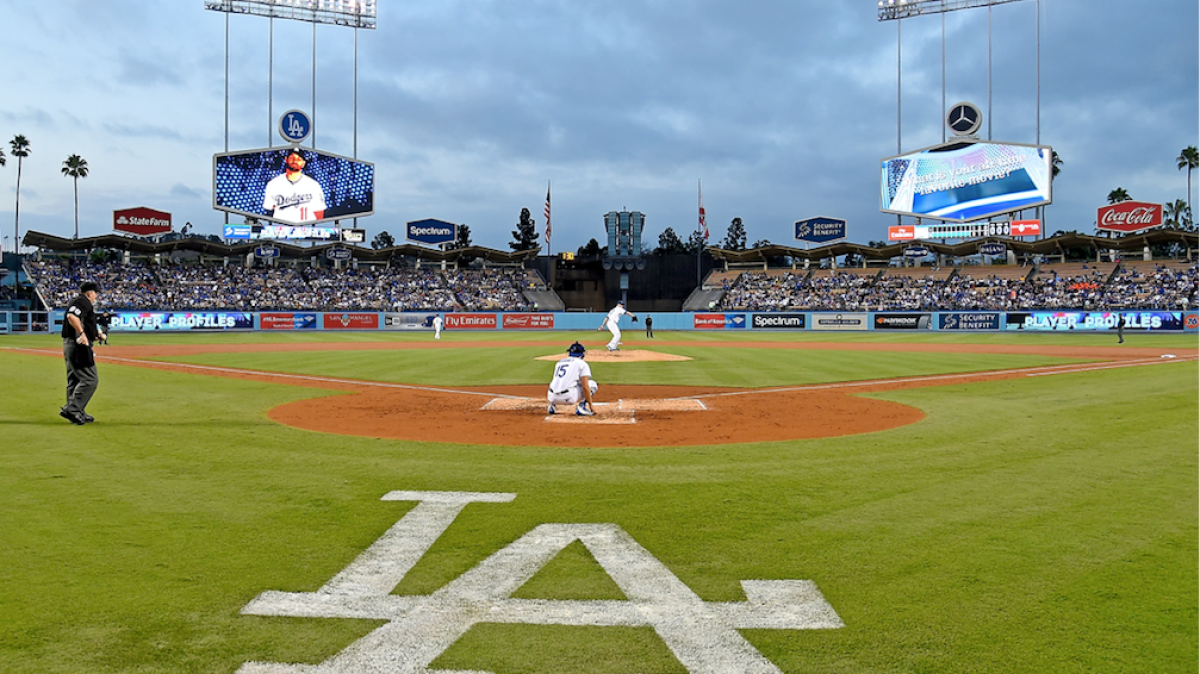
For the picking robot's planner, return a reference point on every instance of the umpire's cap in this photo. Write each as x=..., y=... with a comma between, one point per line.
x=577, y=350
x=89, y=286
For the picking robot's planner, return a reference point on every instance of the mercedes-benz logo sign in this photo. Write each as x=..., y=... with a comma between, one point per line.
x=963, y=118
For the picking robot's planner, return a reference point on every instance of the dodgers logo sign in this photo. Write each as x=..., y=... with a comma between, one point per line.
x=294, y=126
x=702, y=635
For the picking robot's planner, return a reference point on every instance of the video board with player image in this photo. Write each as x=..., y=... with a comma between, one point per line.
x=293, y=185
x=964, y=181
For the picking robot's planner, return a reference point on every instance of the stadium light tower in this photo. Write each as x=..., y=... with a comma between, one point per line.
x=894, y=10
x=350, y=13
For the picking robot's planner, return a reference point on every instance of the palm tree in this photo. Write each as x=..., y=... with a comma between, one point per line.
x=1056, y=163
x=1188, y=159
x=76, y=167
x=1177, y=214
x=1118, y=194
x=20, y=150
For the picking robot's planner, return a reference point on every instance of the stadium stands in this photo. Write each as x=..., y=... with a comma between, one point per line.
x=1094, y=286
x=234, y=287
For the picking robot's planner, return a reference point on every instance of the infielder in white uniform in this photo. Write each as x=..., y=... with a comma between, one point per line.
x=437, y=327
x=572, y=383
x=612, y=321
x=293, y=196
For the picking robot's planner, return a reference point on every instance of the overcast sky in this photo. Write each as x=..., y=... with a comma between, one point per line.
x=468, y=107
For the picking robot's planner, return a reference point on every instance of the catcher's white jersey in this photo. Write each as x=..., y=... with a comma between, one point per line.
x=566, y=382
x=294, y=201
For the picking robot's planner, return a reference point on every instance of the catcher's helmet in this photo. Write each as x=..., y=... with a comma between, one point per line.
x=577, y=350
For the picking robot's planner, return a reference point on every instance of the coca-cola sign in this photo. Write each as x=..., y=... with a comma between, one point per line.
x=1129, y=216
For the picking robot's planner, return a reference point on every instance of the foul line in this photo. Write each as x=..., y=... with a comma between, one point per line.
x=1042, y=371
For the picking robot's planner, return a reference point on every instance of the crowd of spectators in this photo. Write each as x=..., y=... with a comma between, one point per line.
x=1086, y=289
x=192, y=287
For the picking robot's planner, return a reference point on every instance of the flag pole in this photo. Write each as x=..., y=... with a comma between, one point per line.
x=546, y=212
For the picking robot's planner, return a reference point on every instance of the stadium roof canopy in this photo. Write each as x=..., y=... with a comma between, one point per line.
x=206, y=246
x=1054, y=245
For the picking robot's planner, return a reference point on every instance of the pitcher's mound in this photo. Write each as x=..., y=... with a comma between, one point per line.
x=603, y=355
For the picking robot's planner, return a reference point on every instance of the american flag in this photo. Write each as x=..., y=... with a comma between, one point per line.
x=703, y=221
x=547, y=212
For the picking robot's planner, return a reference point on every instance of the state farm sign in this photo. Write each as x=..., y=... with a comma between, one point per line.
x=1129, y=216
x=1026, y=228
x=142, y=221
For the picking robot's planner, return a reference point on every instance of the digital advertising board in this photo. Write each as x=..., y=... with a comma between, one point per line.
x=969, y=320
x=528, y=322
x=471, y=322
x=287, y=321
x=350, y=321
x=293, y=185
x=777, y=321
x=843, y=321
x=138, y=321
x=899, y=321
x=1068, y=321
x=966, y=180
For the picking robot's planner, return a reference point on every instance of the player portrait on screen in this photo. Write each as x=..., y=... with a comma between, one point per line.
x=293, y=196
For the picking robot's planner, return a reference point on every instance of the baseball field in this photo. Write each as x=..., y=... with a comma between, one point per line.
x=789, y=502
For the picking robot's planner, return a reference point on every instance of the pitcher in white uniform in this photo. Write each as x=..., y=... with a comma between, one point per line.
x=612, y=322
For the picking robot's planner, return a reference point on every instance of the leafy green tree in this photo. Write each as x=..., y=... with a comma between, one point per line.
x=462, y=238
x=382, y=240
x=1117, y=195
x=669, y=243
x=525, y=235
x=695, y=243
x=20, y=150
x=75, y=167
x=1188, y=159
x=592, y=249
x=1056, y=163
x=735, y=236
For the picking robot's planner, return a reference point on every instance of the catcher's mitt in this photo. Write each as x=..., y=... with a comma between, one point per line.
x=635, y=319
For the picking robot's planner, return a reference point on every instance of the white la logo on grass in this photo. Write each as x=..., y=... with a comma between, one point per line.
x=703, y=635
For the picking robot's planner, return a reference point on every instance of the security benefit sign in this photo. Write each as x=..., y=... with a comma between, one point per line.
x=820, y=230
x=969, y=320
x=704, y=636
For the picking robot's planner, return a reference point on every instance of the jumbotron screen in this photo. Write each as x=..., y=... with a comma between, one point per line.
x=963, y=181
x=293, y=185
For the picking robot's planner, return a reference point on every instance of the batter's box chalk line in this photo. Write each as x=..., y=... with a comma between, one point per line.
x=623, y=411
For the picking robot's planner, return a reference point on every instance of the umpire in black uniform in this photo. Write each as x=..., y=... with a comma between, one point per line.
x=80, y=331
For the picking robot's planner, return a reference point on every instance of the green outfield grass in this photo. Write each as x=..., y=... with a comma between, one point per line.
x=1044, y=525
